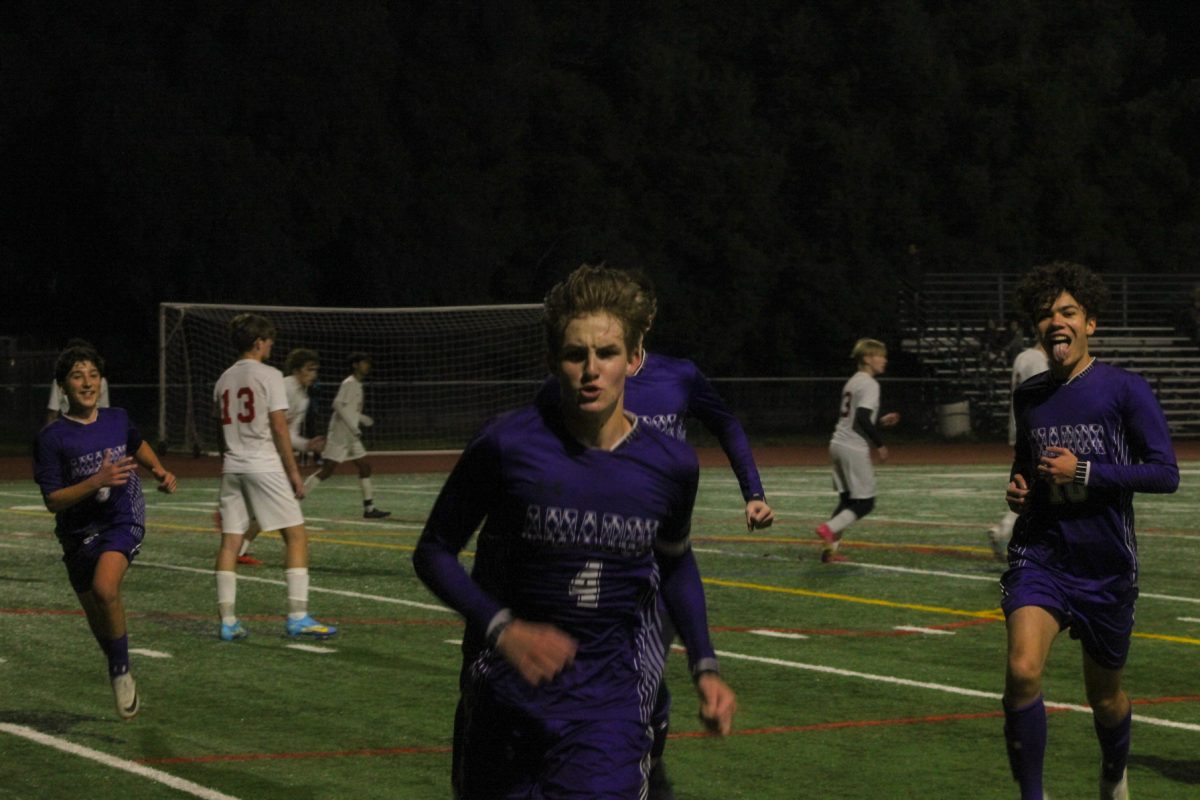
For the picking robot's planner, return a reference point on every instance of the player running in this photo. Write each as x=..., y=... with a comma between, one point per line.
x=586, y=513
x=857, y=431
x=345, y=435
x=1089, y=435
x=85, y=463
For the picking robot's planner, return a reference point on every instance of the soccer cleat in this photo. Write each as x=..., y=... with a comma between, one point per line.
x=249, y=560
x=832, y=556
x=126, y=694
x=307, y=626
x=375, y=513
x=231, y=633
x=825, y=533
x=1115, y=791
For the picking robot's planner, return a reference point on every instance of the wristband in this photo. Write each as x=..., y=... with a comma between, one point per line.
x=704, y=665
x=1082, y=472
x=497, y=626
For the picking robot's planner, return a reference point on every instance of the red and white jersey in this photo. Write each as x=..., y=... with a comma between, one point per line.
x=297, y=400
x=245, y=395
x=861, y=391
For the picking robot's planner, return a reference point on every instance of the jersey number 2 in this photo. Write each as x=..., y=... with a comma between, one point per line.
x=246, y=414
x=585, y=586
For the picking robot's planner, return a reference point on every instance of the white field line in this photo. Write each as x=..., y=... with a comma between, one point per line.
x=918, y=629
x=1169, y=597
x=340, y=592
x=158, y=776
x=937, y=687
x=777, y=634
x=149, y=653
x=1189, y=619
x=310, y=648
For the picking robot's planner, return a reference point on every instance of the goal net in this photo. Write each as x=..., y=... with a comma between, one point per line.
x=436, y=375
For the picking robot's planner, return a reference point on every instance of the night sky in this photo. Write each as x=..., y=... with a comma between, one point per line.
x=781, y=169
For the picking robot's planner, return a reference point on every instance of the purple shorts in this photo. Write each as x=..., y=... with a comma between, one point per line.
x=80, y=554
x=508, y=755
x=1101, y=622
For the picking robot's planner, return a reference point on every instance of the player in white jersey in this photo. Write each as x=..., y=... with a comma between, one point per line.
x=856, y=433
x=1029, y=362
x=59, y=403
x=344, y=442
x=302, y=365
x=260, y=479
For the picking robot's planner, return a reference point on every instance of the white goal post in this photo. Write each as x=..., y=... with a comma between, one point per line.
x=437, y=373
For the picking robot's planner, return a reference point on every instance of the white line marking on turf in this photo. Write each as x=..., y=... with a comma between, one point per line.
x=149, y=653
x=359, y=595
x=310, y=648
x=777, y=634
x=939, y=687
x=962, y=576
x=457, y=642
x=918, y=629
x=38, y=507
x=1188, y=619
x=1169, y=597
x=165, y=778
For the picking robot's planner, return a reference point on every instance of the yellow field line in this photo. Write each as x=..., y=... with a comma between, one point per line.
x=847, y=598
x=994, y=613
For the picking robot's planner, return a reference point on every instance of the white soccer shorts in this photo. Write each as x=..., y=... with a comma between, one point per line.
x=853, y=471
x=266, y=496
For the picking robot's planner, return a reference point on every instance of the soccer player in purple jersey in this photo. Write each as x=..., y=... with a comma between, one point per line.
x=85, y=463
x=1089, y=435
x=663, y=392
x=586, y=513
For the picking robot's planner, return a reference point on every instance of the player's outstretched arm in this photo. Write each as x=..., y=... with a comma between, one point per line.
x=146, y=456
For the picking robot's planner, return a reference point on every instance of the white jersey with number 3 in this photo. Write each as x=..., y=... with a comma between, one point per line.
x=861, y=391
x=245, y=395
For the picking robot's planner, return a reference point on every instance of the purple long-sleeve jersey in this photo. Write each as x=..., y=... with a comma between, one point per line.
x=581, y=538
x=67, y=452
x=1110, y=419
x=665, y=392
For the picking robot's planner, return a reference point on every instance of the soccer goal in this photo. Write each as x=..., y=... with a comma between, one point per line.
x=437, y=373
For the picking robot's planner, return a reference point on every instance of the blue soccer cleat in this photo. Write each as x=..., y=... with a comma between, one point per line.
x=231, y=633
x=307, y=626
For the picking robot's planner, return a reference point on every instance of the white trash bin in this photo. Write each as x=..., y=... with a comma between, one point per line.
x=954, y=419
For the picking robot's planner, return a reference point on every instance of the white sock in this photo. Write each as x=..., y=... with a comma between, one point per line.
x=842, y=520
x=226, y=596
x=1005, y=528
x=245, y=546
x=297, y=591
x=368, y=492
x=311, y=482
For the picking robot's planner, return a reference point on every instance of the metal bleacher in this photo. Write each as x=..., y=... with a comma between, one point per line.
x=945, y=319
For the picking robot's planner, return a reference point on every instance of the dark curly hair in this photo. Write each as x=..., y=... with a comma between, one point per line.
x=1039, y=289
x=77, y=351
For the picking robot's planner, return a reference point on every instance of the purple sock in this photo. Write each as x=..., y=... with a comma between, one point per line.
x=117, y=651
x=1114, y=747
x=1025, y=736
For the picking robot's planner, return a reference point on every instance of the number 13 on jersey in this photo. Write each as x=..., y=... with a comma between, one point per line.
x=245, y=402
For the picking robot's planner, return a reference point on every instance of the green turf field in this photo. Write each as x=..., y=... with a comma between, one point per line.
x=875, y=679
